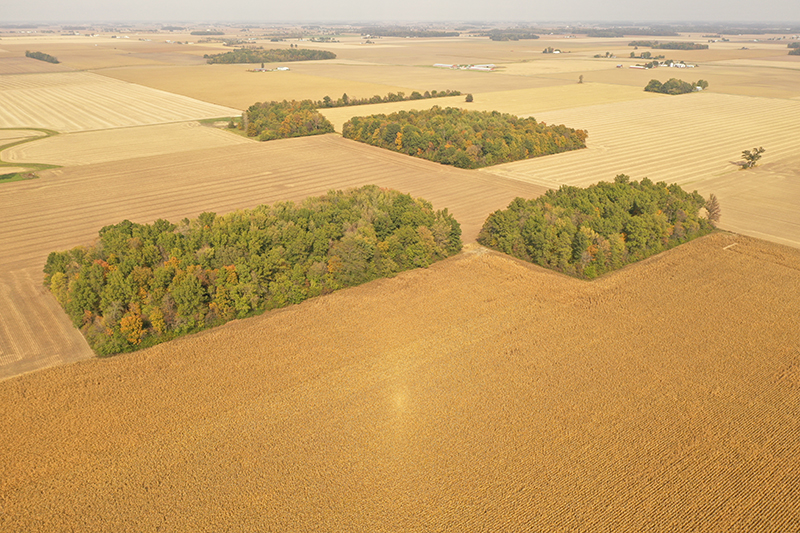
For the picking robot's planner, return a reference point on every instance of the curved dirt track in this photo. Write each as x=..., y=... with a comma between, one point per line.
x=479, y=394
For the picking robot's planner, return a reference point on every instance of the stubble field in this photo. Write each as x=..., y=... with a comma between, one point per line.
x=79, y=101
x=83, y=148
x=479, y=394
x=41, y=215
x=693, y=141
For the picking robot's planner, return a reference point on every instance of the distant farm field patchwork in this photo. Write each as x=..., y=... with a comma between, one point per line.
x=79, y=101
x=83, y=148
x=233, y=86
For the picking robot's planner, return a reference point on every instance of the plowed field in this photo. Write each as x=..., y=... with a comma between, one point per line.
x=79, y=101
x=481, y=394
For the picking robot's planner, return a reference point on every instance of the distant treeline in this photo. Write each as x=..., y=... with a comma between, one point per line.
x=754, y=29
x=670, y=45
x=141, y=284
x=41, y=56
x=465, y=139
x=674, y=86
x=249, y=55
x=399, y=31
x=587, y=232
x=510, y=35
x=345, y=100
x=654, y=31
x=605, y=33
x=795, y=44
x=281, y=120
x=208, y=32
x=794, y=52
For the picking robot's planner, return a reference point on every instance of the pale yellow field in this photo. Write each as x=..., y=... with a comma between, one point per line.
x=558, y=63
x=772, y=82
x=518, y=102
x=79, y=101
x=691, y=140
x=123, y=143
x=26, y=65
x=7, y=136
x=86, y=52
x=423, y=77
x=233, y=86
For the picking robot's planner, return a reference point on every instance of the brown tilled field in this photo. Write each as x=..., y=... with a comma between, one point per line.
x=479, y=394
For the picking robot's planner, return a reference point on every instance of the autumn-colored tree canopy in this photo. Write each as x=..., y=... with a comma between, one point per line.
x=141, y=284
x=281, y=120
x=588, y=232
x=465, y=139
x=277, y=55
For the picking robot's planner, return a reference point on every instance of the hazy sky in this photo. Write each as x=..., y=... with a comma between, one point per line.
x=265, y=11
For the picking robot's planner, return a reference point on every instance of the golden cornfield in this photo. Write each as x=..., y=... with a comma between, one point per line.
x=480, y=394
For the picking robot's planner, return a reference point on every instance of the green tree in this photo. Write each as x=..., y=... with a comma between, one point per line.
x=751, y=157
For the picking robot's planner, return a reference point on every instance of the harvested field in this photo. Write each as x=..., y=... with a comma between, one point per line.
x=691, y=140
x=558, y=63
x=103, y=51
x=85, y=148
x=479, y=394
x=40, y=216
x=233, y=86
x=517, y=102
x=9, y=136
x=78, y=101
x=768, y=82
x=423, y=77
x=26, y=65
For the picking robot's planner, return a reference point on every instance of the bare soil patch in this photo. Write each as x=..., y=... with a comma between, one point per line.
x=478, y=394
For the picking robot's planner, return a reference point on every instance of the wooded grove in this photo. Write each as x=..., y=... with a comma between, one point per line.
x=587, y=232
x=140, y=284
x=465, y=139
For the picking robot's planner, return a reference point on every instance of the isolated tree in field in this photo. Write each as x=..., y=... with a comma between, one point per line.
x=580, y=78
x=713, y=209
x=751, y=157
x=469, y=97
